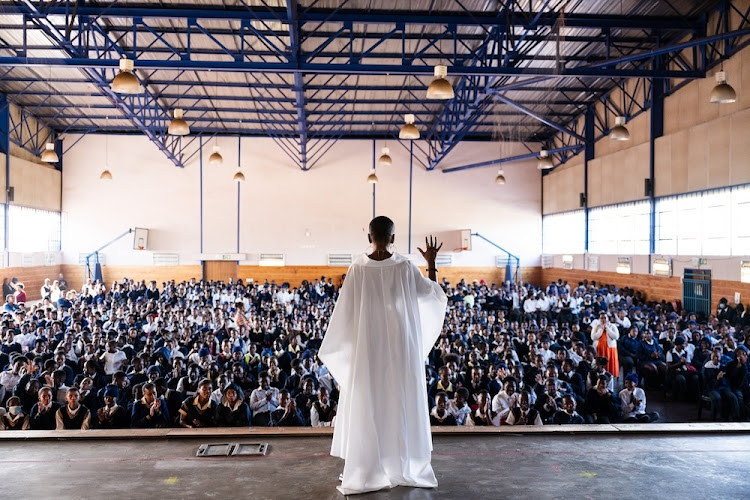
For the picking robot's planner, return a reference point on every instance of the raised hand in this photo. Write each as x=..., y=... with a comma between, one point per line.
x=431, y=250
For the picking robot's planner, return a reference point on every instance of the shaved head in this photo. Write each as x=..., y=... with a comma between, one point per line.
x=381, y=229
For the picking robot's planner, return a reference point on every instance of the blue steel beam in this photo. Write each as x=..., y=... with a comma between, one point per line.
x=152, y=122
x=299, y=84
x=537, y=116
x=509, y=159
x=517, y=18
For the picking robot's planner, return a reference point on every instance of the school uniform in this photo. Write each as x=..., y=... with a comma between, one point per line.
x=237, y=415
x=447, y=419
x=116, y=417
x=520, y=417
x=18, y=423
x=191, y=409
x=43, y=419
x=68, y=418
x=321, y=415
x=141, y=415
x=562, y=417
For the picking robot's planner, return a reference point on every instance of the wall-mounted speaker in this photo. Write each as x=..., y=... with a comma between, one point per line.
x=581, y=200
x=648, y=187
x=11, y=193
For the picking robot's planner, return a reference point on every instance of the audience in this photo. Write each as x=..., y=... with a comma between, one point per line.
x=199, y=354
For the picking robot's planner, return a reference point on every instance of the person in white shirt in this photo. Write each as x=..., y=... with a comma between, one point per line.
x=505, y=400
x=458, y=407
x=633, y=402
x=263, y=401
x=622, y=320
x=114, y=359
x=524, y=414
x=322, y=413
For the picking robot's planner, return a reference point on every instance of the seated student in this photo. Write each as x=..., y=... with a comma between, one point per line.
x=733, y=393
x=232, y=411
x=172, y=398
x=42, y=415
x=714, y=381
x=263, y=401
x=150, y=411
x=633, y=402
x=524, y=414
x=443, y=384
x=458, y=406
x=322, y=412
x=682, y=376
x=73, y=415
x=505, y=400
x=482, y=416
x=600, y=369
x=287, y=414
x=600, y=402
x=14, y=419
x=111, y=415
x=306, y=398
x=651, y=360
x=88, y=394
x=198, y=411
x=567, y=414
x=440, y=415
x=549, y=401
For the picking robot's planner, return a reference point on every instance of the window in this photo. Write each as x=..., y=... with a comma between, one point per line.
x=706, y=223
x=620, y=229
x=563, y=233
x=32, y=230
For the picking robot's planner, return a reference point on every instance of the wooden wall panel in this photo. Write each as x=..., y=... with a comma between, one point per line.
x=294, y=275
x=656, y=288
x=697, y=157
x=595, y=182
x=663, y=165
x=739, y=147
x=220, y=270
x=679, y=169
x=561, y=189
x=31, y=277
x=718, y=139
x=36, y=186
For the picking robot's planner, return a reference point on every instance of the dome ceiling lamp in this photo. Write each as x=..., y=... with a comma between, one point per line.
x=545, y=161
x=49, y=155
x=125, y=81
x=722, y=93
x=106, y=175
x=500, y=179
x=178, y=126
x=620, y=132
x=440, y=88
x=385, y=157
x=408, y=130
x=372, y=178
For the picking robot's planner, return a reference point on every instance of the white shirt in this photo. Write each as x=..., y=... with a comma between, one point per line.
x=259, y=402
x=627, y=402
x=113, y=361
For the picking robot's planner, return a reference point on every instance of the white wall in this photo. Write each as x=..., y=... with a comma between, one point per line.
x=279, y=202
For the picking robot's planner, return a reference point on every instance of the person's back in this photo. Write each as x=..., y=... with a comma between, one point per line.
x=384, y=325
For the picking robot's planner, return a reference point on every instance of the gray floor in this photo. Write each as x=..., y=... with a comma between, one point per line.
x=544, y=466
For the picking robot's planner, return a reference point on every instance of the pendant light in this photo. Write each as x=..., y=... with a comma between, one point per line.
x=49, y=155
x=106, y=175
x=545, y=162
x=215, y=159
x=620, y=132
x=385, y=158
x=722, y=93
x=239, y=176
x=440, y=88
x=500, y=179
x=125, y=81
x=178, y=126
x=372, y=178
x=408, y=130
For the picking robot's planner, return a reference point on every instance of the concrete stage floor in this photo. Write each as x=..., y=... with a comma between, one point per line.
x=592, y=465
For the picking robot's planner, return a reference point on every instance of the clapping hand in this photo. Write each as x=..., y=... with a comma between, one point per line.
x=431, y=250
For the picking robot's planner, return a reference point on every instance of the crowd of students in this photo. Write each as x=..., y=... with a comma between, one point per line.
x=197, y=354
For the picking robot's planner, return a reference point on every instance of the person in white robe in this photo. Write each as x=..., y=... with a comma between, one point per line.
x=386, y=321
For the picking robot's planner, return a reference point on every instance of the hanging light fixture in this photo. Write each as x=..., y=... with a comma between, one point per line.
x=408, y=130
x=49, y=155
x=125, y=81
x=545, y=162
x=620, y=132
x=372, y=178
x=178, y=126
x=440, y=88
x=722, y=93
x=500, y=179
x=106, y=175
x=385, y=158
x=215, y=159
x=239, y=176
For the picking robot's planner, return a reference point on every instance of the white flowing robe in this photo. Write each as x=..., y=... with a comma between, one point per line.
x=385, y=323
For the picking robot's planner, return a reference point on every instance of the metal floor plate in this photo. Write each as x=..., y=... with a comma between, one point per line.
x=231, y=449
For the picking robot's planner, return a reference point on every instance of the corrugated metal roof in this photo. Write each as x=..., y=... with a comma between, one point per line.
x=252, y=101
